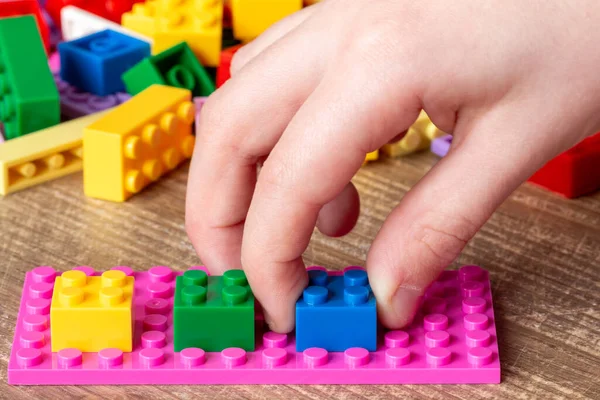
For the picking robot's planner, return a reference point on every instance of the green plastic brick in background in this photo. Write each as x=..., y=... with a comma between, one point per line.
x=213, y=312
x=29, y=99
x=177, y=66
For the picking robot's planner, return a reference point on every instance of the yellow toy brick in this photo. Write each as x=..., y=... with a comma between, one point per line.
x=418, y=138
x=253, y=17
x=138, y=142
x=43, y=156
x=169, y=22
x=372, y=156
x=91, y=313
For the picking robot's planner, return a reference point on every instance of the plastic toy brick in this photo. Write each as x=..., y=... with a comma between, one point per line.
x=372, y=156
x=54, y=64
x=177, y=67
x=253, y=17
x=451, y=340
x=224, y=69
x=75, y=103
x=77, y=23
x=440, y=146
x=95, y=63
x=213, y=313
x=92, y=313
x=108, y=9
x=199, y=103
x=42, y=156
x=333, y=306
x=418, y=138
x=574, y=173
x=14, y=8
x=169, y=23
x=138, y=142
x=28, y=95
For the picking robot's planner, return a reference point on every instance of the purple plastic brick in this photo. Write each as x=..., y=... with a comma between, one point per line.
x=54, y=62
x=199, y=103
x=441, y=145
x=75, y=103
x=452, y=340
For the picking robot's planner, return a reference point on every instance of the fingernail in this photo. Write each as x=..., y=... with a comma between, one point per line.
x=405, y=303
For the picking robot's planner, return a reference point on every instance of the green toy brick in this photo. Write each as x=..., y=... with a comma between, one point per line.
x=213, y=312
x=29, y=99
x=177, y=66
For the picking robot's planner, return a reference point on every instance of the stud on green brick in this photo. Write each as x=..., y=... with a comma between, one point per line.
x=213, y=312
x=177, y=66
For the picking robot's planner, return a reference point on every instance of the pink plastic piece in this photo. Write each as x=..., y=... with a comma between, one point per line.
x=461, y=349
x=89, y=271
x=54, y=62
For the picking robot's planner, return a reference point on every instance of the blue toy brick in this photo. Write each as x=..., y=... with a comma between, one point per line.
x=337, y=312
x=95, y=63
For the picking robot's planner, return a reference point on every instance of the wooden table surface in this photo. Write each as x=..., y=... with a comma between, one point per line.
x=543, y=253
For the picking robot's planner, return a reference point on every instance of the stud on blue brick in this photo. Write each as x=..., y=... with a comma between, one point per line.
x=95, y=63
x=336, y=312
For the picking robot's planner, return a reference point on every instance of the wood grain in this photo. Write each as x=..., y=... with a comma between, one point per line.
x=543, y=253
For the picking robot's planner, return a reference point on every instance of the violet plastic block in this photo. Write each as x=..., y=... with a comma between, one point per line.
x=54, y=62
x=452, y=340
x=440, y=146
x=75, y=103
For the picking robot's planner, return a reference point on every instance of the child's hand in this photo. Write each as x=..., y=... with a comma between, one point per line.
x=516, y=82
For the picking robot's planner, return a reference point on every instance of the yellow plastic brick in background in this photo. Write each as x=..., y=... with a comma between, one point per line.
x=44, y=155
x=199, y=23
x=91, y=313
x=138, y=142
x=372, y=156
x=418, y=138
x=253, y=17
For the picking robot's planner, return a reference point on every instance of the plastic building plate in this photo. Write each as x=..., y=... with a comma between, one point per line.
x=452, y=340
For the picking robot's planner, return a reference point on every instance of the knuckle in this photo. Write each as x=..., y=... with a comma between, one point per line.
x=240, y=58
x=440, y=239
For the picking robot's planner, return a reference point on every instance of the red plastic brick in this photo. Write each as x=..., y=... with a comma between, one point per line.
x=574, y=173
x=452, y=340
x=109, y=9
x=14, y=8
x=223, y=71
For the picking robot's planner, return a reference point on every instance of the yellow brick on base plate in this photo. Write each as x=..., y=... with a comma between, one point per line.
x=43, y=156
x=138, y=142
x=253, y=17
x=91, y=313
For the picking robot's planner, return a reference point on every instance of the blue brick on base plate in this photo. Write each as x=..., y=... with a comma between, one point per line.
x=337, y=312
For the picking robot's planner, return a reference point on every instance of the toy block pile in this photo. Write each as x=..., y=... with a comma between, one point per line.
x=167, y=327
x=133, y=74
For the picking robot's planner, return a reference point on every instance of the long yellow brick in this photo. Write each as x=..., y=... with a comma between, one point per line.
x=43, y=156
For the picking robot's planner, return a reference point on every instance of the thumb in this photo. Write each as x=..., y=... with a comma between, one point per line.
x=436, y=219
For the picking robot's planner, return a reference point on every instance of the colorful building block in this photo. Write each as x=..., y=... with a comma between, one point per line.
x=108, y=9
x=177, y=67
x=451, y=340
x=138, y=142
x=42, y=156
x=199, y=23
x=574, y=173
x=441, y=146
x=29, y=98
x=333, y=306
x=418, y=138
x=372, y=156
x=77, y=23
x=91, y=313
x=213, y=312
x=253, y=17
x=74, y=103
x=95, y=63
x=15, y=8
x=224, y=69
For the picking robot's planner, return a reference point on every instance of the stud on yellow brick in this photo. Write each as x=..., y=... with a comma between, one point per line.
x=43, y=156
x=253, y=17
x=138, y=142
x=91, y=313
x=199, y=23
x=417, y=138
